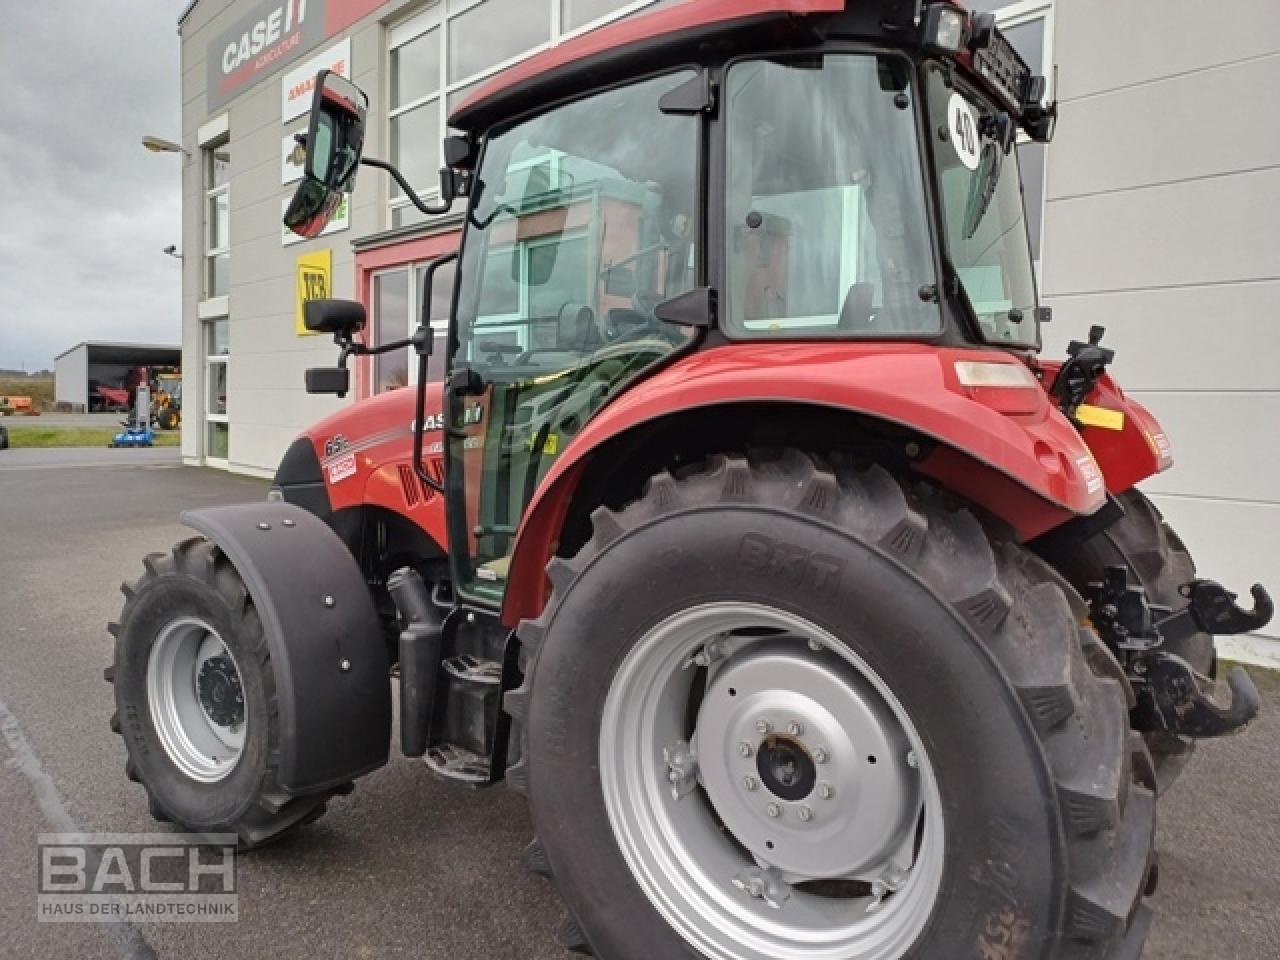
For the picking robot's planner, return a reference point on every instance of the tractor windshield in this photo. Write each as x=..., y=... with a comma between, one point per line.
x=826, y=224
x=583, y=224
x=985, y=224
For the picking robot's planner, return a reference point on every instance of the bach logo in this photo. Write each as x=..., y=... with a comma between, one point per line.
x=139, y=877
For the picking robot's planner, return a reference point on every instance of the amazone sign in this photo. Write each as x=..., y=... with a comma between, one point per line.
x=275, y=33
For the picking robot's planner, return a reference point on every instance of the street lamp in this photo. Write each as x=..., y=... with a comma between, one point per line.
x=160, y=145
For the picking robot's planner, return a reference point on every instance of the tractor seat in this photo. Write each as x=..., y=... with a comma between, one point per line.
x=498, y=568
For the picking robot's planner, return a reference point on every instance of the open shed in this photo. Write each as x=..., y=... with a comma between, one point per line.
x=87, y=364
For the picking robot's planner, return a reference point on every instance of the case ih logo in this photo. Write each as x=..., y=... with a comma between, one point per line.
x=274, y=34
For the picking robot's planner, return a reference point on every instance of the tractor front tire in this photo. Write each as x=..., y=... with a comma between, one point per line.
x=1157, y=559
x=196, y=700
x=167, y=418
x=782, y=709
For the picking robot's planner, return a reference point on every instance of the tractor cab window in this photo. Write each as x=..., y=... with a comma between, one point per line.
x=583, y=224
x=986, y=234
x=826, y=224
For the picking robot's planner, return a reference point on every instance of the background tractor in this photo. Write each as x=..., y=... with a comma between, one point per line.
x=167, y=400
x=748, y=536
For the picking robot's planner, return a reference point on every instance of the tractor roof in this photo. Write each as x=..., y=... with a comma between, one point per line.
x=642, y=44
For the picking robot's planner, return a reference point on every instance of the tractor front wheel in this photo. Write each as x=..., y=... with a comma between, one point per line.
x=196, y=700
x=775, y=709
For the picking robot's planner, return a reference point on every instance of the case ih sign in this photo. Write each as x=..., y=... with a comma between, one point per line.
x=275, y=34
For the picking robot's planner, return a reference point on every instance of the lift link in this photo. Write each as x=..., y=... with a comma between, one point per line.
x=1171, y=696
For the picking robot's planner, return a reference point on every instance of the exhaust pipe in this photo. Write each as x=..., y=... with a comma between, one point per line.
x=420, y=654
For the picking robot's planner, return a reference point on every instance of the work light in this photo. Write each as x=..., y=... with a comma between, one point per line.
x=946, y=28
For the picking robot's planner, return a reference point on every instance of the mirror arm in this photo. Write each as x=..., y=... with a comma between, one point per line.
x=446, y=202
x=422, y=341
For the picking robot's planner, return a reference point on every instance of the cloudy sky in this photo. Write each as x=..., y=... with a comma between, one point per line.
x=84, y=210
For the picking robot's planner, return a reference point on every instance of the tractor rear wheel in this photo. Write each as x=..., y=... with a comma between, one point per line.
x=196, y=700
x=1158, y=560
x=775, y=709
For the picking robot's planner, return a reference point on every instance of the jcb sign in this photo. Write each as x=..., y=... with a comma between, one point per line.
x=315, y=282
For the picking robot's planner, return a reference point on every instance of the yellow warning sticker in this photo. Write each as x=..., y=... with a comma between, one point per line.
x=1100, y=417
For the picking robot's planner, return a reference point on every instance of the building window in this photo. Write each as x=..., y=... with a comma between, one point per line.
x=217, y=221
x=217, y=359
x=439, y=55
x=396, y=308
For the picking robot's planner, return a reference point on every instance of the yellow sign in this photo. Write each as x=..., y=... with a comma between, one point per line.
x=1100, y=417
x=315, y=282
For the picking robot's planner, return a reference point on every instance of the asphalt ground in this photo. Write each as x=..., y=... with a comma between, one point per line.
x=406, y=866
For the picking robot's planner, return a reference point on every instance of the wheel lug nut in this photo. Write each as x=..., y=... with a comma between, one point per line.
x=751, y=783
x=825, y=791
x=773, y=810
x=805, y=814
x=744, y=749
x=764, y=727
x=912, y=760
x=815, y=646
x=796, y=729
x=820, y=755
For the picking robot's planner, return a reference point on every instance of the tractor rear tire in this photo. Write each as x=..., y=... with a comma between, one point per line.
x=196, y=700
x=1036, y=823
x=1157, y=559
x=167, y=418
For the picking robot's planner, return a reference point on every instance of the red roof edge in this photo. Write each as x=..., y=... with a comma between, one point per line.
x=637, y=29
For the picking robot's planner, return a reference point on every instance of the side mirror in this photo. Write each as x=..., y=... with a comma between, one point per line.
x=335, y=141
x=334, y=380
x=343, y=318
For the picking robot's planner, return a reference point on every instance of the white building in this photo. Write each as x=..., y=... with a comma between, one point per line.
x=1154, y=209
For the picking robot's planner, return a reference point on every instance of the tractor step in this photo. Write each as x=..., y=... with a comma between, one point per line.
x=487, y=673
x=458, y=764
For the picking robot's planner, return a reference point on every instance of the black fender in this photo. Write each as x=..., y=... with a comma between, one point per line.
x=326, y=645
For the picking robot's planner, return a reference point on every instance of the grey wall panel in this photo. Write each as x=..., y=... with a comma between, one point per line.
x=1224, y=444
x=71, y=378
x=1211, y=337
x=1105, y=44
x=1194, y=125
x=1204, y=231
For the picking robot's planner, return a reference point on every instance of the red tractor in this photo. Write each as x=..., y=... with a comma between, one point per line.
x=748, y=536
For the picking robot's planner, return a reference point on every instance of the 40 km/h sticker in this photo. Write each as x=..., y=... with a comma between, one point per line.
x=964, y=131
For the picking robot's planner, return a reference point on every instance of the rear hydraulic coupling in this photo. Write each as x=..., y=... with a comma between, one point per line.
x=420, y=652
x=1171, y=697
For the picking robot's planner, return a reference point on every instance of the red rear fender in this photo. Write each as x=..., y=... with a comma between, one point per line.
x=1128, y=451
x=1007, y=449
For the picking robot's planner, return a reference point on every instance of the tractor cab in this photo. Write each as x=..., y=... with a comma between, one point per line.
x=707, y=175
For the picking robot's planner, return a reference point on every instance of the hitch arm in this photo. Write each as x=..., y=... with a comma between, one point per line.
x=1170, y=699
x=1213, y=609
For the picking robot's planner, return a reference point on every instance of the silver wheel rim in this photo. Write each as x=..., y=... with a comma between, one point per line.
x=708, y=820
x=195, y=693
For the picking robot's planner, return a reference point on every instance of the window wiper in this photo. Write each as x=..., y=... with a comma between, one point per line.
x=999, y=135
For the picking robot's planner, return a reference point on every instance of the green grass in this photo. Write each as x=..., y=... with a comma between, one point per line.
x=33, y=436
x=1267, y=681
x=39, y=389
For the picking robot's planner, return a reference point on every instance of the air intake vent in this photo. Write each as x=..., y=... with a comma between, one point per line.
x=412, y=494
x=415, y=491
